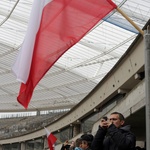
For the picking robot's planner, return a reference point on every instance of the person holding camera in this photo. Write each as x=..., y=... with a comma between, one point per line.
x=65, y=145
x=113, y=134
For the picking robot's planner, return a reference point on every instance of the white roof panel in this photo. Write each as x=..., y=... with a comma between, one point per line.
x=80, y=69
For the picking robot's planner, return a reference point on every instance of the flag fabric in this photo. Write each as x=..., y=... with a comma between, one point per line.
x=54, y=27
x=51, y=139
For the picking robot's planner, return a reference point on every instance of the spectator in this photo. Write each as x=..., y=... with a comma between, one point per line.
x=65, y=145
x=113, y=135
x=78, y=144
x=86, y=141
x=72, y=146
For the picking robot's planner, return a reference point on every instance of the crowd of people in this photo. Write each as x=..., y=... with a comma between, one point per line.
x=112, y=134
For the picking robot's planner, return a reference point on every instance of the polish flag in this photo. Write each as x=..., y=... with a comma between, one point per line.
x=54, y=27
x=51, y=139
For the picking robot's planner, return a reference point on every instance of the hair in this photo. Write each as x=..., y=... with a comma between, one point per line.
x=87, y=138
x=105, y=118
x=121, y=117
x=78, y=142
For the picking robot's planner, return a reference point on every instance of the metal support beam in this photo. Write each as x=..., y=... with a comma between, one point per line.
x=147, y=84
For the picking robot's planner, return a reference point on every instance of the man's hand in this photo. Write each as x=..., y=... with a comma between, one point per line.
x=66, y=143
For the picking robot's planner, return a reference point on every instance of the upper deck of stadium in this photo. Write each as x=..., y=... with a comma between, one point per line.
x=80, y=69
x=96, y=64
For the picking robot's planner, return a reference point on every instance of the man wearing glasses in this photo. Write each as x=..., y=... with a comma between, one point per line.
x=113, y=135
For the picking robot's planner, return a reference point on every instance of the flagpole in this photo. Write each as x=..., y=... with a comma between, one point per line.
x=59, y=141
x=126, y=17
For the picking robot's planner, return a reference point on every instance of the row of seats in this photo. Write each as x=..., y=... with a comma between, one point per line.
x=13, y=127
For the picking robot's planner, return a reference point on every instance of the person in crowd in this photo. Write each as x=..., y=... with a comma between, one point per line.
x=86, y=141
x=113, y=134
x=72, y=146
x=78, y=144
x=65, y=145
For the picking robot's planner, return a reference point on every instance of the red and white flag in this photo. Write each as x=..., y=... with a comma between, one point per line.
x=54, y=27
x=51, y=139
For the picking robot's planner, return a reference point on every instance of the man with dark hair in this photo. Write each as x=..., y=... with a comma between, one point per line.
x=113, y=135
x=86, y=141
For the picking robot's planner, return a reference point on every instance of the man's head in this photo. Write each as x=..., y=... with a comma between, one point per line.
x=117, y=119
x=86, y=140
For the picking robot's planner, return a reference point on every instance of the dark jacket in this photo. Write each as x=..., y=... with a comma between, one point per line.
x=65, y=147
x=114, y=139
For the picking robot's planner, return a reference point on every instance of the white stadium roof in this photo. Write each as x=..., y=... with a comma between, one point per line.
x=80, y=69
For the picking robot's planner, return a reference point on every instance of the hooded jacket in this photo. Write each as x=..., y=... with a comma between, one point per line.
x=114, y=139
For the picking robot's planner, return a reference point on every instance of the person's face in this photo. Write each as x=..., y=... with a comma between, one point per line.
x=72, y=143
x=84, y=145
x=114, y=118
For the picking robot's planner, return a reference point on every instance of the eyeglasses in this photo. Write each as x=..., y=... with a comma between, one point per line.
x=113, y=119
